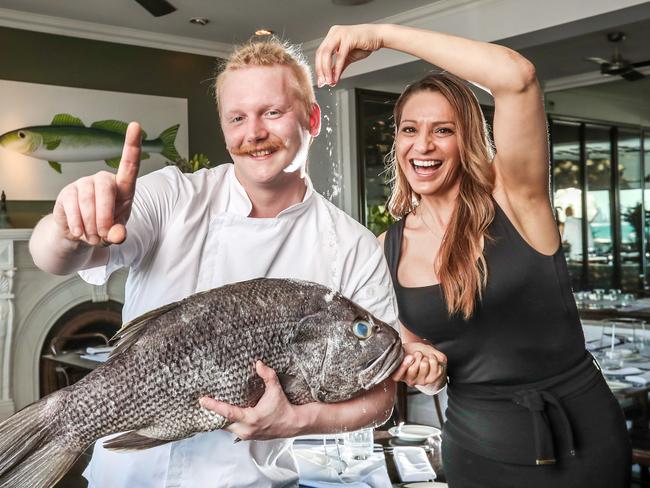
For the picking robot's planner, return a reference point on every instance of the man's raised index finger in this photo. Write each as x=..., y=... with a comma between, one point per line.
x=127, y=172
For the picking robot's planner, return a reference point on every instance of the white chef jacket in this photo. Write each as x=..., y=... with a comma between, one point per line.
x=191, y=232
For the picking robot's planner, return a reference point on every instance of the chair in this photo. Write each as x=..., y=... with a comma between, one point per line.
x=403, y=392
x=642, y=458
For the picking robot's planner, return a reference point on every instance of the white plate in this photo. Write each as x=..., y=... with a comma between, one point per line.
x=618, y=385
x=411, y=433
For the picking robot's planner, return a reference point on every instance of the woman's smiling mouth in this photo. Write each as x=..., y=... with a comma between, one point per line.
x=425, y=167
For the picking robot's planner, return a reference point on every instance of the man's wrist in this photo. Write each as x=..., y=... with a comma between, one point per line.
x=304, y=419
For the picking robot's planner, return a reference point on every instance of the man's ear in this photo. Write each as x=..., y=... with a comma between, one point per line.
x=314, y=120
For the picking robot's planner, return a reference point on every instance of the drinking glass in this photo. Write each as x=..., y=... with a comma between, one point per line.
x=627, y=299
x=359, y=444
x=640, y=337
x=611, y=357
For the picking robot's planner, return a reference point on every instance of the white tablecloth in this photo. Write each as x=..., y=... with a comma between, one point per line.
x=318, y=470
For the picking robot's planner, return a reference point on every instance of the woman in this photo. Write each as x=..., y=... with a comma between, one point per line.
x=479, y=271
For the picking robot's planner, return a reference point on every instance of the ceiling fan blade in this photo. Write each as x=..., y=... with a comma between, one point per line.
x=157, y=8
x=597, y=60
x=633, y=75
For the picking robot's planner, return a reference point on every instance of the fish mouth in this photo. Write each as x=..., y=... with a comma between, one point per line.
x=382, y=367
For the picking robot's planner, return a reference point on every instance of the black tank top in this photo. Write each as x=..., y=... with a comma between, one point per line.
x=525, y=329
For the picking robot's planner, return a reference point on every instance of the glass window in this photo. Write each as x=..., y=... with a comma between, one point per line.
x=630, y=198
x=567, y=195
x=598, y=212
x=375, y=116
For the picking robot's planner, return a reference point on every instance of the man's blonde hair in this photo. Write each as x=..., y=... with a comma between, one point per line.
x=271, y=52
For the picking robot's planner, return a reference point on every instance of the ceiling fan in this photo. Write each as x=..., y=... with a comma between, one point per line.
x=157, y=8
x=617, y=65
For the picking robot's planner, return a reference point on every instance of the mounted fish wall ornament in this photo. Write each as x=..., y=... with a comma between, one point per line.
x=68, y=140
x=322, y=346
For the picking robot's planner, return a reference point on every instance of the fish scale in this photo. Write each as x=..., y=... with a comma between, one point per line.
x=204, y=345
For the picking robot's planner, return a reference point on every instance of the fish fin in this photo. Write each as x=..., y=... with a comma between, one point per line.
x=144, y=155
x=29, y=453
x=53, y=144
x=55, y=166
x=117, y=126
x=114, y=162
x=67, y=119
x=134, y=441
x=131, y=331
x=168, y=137
x=42, y=469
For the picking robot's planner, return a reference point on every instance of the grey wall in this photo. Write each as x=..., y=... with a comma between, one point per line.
x=67, y=61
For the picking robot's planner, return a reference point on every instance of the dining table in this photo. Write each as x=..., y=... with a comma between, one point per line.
x=431, y=447
x=324, y=463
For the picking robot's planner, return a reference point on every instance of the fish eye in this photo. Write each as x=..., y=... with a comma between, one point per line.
x=21, y=134
x=362, y=329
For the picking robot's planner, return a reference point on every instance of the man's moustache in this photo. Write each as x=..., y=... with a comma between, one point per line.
x=250, y=148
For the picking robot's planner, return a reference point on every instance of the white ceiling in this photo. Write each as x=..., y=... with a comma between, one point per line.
x=231, y=21
x=559, y=56
x=556, y=34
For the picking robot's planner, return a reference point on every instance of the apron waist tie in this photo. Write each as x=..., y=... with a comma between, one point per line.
x=536, y=401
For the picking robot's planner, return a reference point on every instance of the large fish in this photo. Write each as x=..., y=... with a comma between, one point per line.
x=323, y=347
x=67, y=139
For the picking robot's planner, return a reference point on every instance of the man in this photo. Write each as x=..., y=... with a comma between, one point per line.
x=181, y=234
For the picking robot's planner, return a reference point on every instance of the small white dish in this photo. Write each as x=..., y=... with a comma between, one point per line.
x=412, y=433
x=426, y=484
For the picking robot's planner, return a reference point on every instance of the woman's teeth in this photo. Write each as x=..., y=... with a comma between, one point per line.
x=426, y=164
x=426, y=167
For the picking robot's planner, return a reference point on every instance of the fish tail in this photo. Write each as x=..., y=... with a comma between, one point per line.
x=30, y=453
x=168, y=137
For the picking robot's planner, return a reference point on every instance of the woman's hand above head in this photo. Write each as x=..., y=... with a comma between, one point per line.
x=349, y=43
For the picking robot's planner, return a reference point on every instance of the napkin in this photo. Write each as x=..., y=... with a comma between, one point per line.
x=318, y=470
x=412, y=464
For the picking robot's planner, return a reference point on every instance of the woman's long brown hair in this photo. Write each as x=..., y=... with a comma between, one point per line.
x=460, y=265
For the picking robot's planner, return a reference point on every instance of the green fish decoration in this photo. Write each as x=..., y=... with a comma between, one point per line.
x=68, y=140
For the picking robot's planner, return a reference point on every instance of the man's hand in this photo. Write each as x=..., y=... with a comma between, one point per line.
x=272, y=418
x=423, y=365
x=95, y=209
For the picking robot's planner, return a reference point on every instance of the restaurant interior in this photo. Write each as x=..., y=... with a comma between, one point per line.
x=593, y=63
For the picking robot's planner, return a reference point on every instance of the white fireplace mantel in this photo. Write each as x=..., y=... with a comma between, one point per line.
x=31, y=301
x=7, y=272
